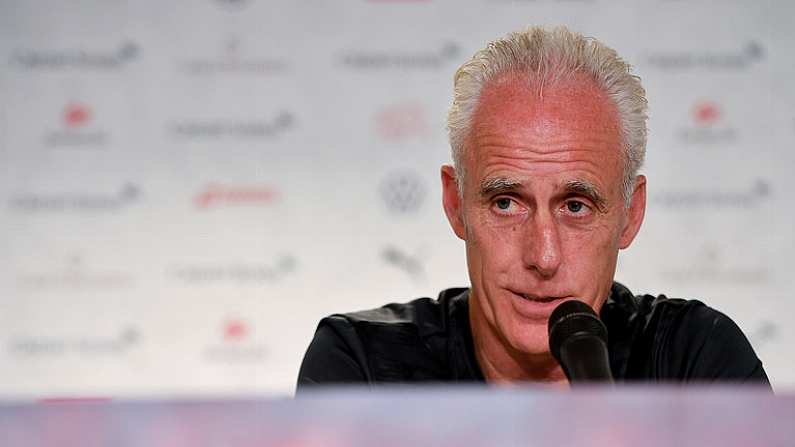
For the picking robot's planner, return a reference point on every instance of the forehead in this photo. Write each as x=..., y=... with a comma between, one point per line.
x=568, y=125
x=517, y=100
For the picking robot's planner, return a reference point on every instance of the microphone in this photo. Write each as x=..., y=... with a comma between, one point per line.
x=578, y=340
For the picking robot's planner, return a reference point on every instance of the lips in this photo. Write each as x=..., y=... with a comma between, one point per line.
x=536, y=307
x=541, y=299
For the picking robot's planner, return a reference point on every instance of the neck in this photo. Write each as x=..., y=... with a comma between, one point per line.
x=501, y=363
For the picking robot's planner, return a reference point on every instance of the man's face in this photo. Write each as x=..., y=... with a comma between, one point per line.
x=542, y=211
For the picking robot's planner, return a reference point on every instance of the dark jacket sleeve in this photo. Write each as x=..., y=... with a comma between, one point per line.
x=727, y=354
x=709, y=347
x=335, y=356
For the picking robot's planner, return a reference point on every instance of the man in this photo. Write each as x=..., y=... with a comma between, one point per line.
x=548, y=131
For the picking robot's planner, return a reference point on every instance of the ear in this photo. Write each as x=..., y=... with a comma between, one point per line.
x=451, y=201
x=637, y=209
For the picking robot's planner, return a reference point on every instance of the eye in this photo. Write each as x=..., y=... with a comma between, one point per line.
x=577, y=208
x=505, y=206
x=574, y=206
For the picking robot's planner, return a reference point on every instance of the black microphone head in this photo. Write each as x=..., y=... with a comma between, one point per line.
x=573, y=318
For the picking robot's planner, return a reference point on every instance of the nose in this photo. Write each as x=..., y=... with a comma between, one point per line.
x=542, y=250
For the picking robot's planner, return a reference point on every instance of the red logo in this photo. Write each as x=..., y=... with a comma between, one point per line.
x=401, y=121
x=76, y=115
x=706, y=113
x=214, y=195
x=235, y=330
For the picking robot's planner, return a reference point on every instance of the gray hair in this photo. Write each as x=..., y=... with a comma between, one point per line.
x=547, y=56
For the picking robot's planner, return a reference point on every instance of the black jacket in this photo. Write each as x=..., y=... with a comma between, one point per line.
x=650, y=338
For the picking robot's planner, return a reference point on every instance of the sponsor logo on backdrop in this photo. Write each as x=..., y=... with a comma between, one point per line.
x=75, y=274
x=238, y=273
x=401, y=122
x=431, y=58
x=743, y=57
x=213, y=196
x=235, y=330
x=403, y=192
x=88, y=346
x=127, y=195
x=77, y=58
x=213, y=129
x=76, y=129
x=708, y=267
x=748, y=197
x=236, y=345
x=706, y=113
x=412, y=265
x=707, y=125
x=231, y=59
x=76, y=115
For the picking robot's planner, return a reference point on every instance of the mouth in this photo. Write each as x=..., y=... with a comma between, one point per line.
x=536, y=307
x=539, y=299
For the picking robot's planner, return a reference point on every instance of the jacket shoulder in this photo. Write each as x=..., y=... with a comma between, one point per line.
x=429, y=315
x=676, y=339
x=397, y=342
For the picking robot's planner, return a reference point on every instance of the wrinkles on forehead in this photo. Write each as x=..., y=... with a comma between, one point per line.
x=572, y=133
x=526, y=97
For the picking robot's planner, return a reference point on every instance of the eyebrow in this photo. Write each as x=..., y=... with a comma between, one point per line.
x=589, y=190
x=498, y=185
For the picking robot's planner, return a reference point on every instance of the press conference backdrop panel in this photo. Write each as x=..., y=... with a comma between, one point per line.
x=187, y=187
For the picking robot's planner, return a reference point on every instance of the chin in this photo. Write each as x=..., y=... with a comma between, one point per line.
x=532, y=339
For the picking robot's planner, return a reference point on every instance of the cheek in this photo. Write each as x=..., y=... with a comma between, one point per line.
x=591, y=253
x=497, y=247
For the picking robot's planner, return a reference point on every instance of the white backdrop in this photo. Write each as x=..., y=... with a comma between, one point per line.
x=187, y=187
